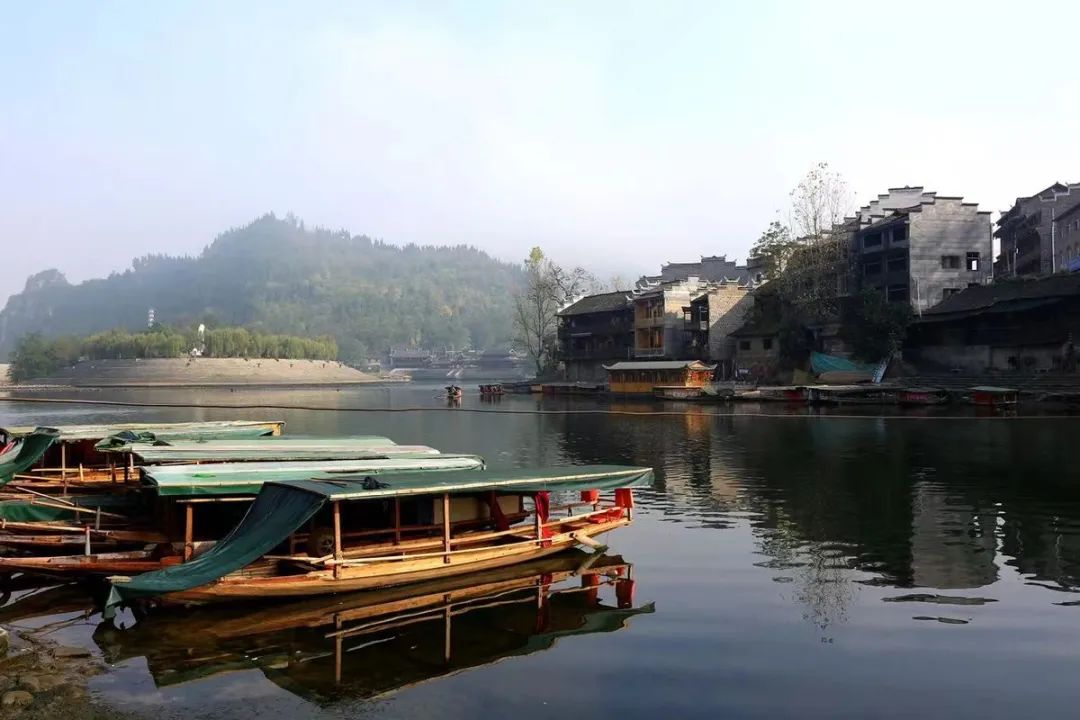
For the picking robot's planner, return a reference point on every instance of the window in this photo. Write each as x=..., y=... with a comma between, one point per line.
x=766, y=344
x=948, y=292
x=973, y=261
x=872, y=240
x=899, y=234
x=897, y=293
x=744, y=344
x=950, y=262
x=872, y=268
x=897, y=262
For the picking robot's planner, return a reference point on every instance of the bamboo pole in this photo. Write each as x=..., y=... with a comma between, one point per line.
x=448, y=617
x=339, y=648
x=63, y=460
x=397, y=520
x=446, y=526
x=189, y=531
x=337, y=538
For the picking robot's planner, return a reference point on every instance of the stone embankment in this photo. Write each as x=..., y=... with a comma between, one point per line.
x=40, y=679
x=205, y=372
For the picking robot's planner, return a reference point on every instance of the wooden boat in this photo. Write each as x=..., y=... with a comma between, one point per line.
x=678, y=392
x=865, y=394
x=81, y=453
x=283, y=449
x=367, y=532
x=491, y=390
x=362, y=645
x=453, y=392
x=518, y=388
x=994, y=397
x=186, y=508
x=913, y=396
x=777, y=393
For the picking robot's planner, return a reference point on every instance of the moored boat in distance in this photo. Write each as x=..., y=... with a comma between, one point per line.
x=378, y=531
x=782, y=393
x=994, y=397
x=678, y=392
x=913, y=396
x=863, y=394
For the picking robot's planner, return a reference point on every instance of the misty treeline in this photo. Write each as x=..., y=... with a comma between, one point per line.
x=36, y=356
x=276, y=276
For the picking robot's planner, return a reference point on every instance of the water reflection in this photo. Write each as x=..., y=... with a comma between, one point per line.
x=367, y=644
x=938, y=504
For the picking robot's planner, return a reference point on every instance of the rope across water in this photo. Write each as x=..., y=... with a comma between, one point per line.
x=509, y=411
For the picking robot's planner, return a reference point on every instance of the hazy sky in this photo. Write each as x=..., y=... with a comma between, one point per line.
x=617, y=135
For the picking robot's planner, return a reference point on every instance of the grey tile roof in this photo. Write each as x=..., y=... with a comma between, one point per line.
x=604, y=302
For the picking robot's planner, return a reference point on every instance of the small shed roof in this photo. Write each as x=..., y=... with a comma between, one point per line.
x=660, y=365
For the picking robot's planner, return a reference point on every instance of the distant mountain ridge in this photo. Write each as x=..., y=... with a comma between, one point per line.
x=276, y=275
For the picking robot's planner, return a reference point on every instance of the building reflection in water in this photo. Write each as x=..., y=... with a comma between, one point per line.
x=909, y=503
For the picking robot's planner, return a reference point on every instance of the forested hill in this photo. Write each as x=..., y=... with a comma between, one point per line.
x=277, y=276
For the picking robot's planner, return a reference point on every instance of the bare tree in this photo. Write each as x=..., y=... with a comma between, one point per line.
x=548, y=289
x=819, y=203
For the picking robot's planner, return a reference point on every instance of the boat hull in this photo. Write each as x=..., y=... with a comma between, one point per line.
x=383, y=574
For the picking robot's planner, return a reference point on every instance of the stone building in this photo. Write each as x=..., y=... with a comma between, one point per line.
x=679, y=320
x=1067, y=239
x=921, y=247
x=689, y=319
x=1028, y=230
x=756, y=350
x=595, y=331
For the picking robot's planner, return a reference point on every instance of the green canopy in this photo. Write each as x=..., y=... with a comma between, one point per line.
x=291, y=449
x=584, y=477
x=281, y=508
x=247, y=478
x=24, y=451
x=192, y=430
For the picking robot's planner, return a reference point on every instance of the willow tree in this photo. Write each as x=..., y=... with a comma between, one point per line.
x=547, y=289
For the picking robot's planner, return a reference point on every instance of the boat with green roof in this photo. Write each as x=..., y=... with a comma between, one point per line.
x=321, y=536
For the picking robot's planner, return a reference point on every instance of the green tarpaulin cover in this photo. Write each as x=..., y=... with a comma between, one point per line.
x=246, y=478
x=272, y=449
x=25, y=450
x=281, y=508
x=35, y=511
x=215, y=428
x=121, y=441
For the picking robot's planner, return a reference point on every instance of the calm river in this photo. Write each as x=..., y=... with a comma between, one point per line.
x=796, y=564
